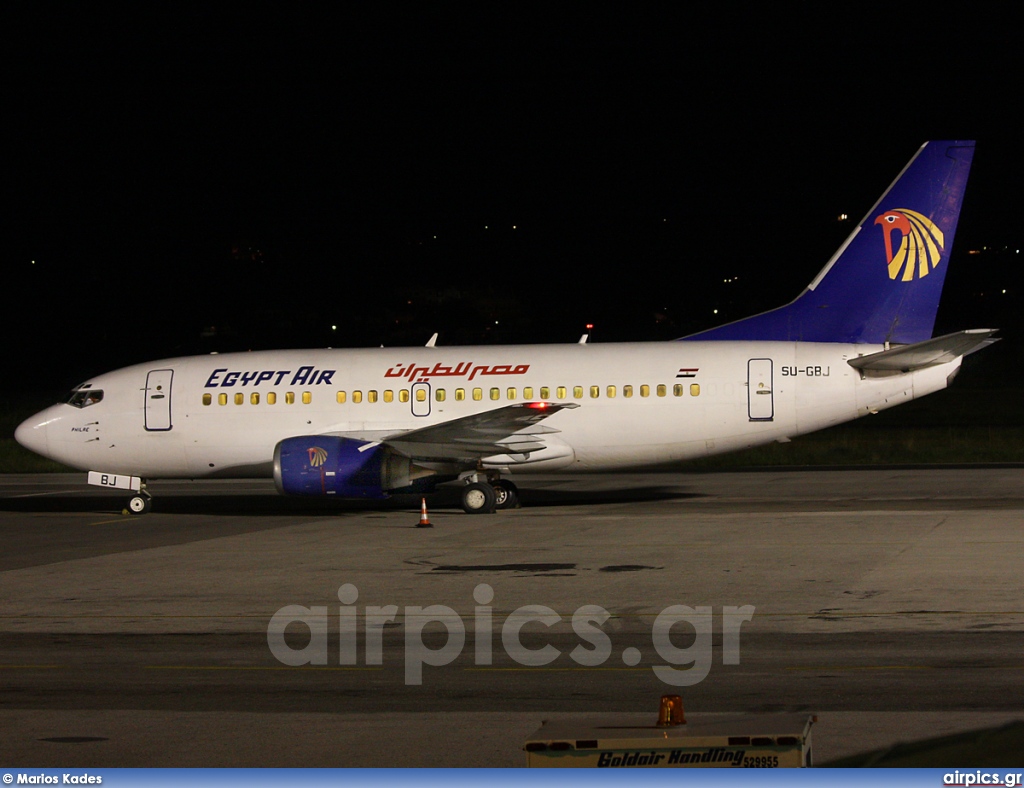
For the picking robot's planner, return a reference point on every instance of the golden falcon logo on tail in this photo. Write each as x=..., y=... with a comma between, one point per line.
x=921, y=247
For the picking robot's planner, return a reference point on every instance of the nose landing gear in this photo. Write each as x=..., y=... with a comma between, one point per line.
x=140, y=503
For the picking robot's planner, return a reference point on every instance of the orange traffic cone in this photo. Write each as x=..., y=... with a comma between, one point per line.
x=424, y=520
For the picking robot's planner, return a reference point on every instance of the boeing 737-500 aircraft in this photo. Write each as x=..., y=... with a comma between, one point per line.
x=366, y=423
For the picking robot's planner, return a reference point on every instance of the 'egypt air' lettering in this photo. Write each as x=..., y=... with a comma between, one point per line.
x=308, y=376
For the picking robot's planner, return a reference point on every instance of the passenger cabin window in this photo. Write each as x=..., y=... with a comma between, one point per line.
x=341, y=397
x=662, y=391
x=545, y=392
x=460, y=395
x=254, y=398
x=695, y=389
x=527, y=392
x=207, y=399
x=371, y=396
x=289, y=398
x=222, y=398
x=83, y=398
x=389, y=395
x=645, y=390
x=239, y=398
x=271, y=397
x=403, y=395
x=627, y=391
x=439, y=395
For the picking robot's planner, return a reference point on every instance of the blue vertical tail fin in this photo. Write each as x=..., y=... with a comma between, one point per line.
x=885, y=281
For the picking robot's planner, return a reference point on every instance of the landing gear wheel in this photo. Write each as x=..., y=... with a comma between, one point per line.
x=506, y=495
x=478, y=498
x=139, y=504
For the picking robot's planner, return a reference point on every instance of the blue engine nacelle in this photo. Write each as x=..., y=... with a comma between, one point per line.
x=330, y=465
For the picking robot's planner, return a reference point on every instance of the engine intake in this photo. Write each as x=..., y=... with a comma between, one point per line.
x=330, y=465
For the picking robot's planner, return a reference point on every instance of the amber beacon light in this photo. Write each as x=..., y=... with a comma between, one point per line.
x=671, y=711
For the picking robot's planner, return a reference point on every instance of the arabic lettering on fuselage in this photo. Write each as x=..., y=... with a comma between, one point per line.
x=464, y=369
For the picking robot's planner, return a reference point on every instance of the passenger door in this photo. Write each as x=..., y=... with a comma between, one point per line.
x=760, y=400
x=158, y=400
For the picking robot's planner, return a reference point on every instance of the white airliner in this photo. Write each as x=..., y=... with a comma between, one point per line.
x=365, y=423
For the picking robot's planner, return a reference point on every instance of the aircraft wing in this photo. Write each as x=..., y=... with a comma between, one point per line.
x=513, y=429
x=929, y=353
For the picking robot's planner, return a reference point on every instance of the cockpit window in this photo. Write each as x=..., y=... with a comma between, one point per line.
x=83, y=398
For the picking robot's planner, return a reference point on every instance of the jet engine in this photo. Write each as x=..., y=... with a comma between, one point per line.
x=331, y=465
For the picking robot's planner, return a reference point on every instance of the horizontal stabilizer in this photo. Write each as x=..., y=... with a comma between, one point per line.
x=929, y=353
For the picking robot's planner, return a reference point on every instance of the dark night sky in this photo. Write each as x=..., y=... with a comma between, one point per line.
x=195, y=180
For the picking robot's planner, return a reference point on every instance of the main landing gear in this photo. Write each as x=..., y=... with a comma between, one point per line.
x=484, y=497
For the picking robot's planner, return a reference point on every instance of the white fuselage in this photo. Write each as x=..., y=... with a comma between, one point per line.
x=639, y=403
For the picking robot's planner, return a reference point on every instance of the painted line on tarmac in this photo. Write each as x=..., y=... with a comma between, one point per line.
x=820, y=613
x=259, y=667
x=816, y=668
x=30, y=667
x=901, y=667
x=39, y=495
x=556, y=670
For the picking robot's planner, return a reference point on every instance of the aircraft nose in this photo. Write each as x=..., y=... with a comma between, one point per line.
x=31, y=434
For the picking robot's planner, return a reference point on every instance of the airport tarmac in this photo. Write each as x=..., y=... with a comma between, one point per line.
x=887, y=602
